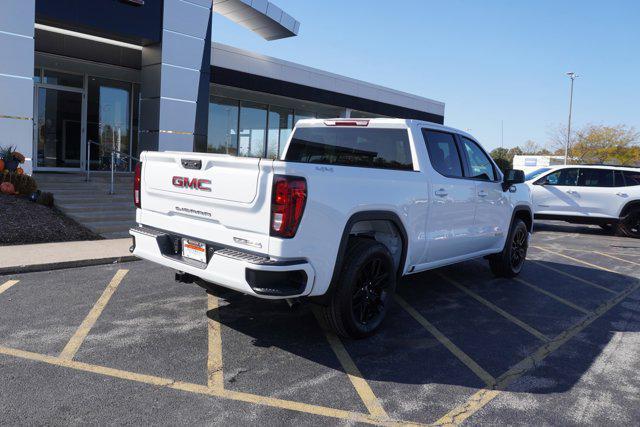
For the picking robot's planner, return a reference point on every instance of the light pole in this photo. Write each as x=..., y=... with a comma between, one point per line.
x=572, y=76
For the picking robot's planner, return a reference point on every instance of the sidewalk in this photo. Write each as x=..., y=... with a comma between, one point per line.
x=52, y=256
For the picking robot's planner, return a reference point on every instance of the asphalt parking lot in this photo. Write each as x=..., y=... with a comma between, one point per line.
x=125, y=344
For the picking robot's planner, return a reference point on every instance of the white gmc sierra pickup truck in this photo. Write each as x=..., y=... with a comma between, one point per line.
x=351, y=206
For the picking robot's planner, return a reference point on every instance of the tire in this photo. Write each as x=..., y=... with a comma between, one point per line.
x=509, y=262
x=364, y=291
x=629, y=225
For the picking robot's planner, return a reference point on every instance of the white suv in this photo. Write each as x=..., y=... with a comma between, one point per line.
x=608, y=196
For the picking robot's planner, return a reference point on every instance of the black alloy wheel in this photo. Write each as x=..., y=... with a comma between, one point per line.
x=519, y=246
x=370, y=295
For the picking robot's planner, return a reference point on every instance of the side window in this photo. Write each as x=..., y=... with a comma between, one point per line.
x=561, y=177
x=596, y=178
x=443, y=153
x=480, y=166
x=631, y=178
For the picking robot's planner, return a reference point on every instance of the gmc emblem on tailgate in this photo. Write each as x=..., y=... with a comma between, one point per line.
x=193, y=183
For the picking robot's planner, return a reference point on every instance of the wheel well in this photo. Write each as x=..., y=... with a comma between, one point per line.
x=629, y=206
x=525, y=216
x=382, y=231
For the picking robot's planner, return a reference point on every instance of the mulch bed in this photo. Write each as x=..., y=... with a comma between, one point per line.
x=24, y=222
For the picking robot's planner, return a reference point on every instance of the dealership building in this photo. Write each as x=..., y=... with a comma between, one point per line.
x=87, y=85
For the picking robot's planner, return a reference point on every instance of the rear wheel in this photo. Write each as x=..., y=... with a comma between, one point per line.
x=509, y=262
x=629, y=225
x=364, y=291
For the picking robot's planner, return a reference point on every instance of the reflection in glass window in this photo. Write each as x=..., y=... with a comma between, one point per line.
x=568, y=177
x=280, y=126
x=109, y=122
x=253, y=126
x=37, y=78
x=222, y=137
x=63, y=79
x=479, y=163
x=302, y=115
x=357, y=146
x=596, y=178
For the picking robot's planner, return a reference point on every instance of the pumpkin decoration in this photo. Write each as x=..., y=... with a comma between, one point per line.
x=7, y=188
x=1, y=165
x=19, y=171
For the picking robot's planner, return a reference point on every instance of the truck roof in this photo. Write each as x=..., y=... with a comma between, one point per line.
x=384, y=122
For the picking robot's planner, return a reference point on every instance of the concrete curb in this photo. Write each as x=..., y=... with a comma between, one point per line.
x=33, y=268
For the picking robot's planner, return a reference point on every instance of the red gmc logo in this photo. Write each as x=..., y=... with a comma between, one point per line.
x=193, y=183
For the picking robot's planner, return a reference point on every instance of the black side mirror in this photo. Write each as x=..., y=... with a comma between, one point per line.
x=513, y=176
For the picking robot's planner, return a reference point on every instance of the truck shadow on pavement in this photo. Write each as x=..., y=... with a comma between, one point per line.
x=271, y=338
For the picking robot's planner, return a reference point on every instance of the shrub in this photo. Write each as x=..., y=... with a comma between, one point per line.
x=24, y=184
x=45, y=199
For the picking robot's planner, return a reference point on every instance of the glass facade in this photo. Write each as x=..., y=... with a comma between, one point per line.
x=248, y=123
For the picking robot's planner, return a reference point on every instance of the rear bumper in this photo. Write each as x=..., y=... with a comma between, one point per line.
x=241, y=271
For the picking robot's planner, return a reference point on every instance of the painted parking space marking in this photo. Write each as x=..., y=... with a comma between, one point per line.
x=497, y=309
x=363, y=389
x=554, y=296
x=483, y=397
x=201, y=389
x=76, y=340
x=575, y=259
x=487, y=378
x=8, y=284
x=617, y=258
x=215, y=374
x=579, y=279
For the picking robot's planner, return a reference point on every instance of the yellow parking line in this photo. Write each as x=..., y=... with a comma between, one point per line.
x=76, y=340
x=554, y=296
x=349, y=416
x=480, y=399
x=355, y=376
x=497, y=309
x=486, y=377
x=579, y=279
x=575, y=259
x=619, y=259
x=6, y=285
x=215, y=375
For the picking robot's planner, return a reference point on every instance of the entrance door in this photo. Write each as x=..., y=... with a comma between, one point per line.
x=59, y=130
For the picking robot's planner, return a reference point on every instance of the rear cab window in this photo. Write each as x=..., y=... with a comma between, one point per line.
x=368, y=147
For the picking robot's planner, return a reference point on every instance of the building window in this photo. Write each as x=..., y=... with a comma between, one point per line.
x=280, y=126
x=223, y=126
x=58, y=78
x=253, y=126
x=302, y=115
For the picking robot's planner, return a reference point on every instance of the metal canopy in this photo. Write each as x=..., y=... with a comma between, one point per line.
x=260, y=16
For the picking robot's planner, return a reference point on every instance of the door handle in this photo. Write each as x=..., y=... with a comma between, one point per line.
x=441, y=193
x=482, y=193
x=622, y=194
x=572, y=192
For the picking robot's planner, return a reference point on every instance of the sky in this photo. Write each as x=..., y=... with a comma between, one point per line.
x=489, y=61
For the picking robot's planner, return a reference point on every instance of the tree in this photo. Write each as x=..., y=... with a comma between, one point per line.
x=501, y=157
x=598, y=144
x=531, y=147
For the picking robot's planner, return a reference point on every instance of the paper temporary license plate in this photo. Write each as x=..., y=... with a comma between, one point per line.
x=194, y=250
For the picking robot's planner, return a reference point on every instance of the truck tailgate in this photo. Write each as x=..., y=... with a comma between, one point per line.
x=213, y=197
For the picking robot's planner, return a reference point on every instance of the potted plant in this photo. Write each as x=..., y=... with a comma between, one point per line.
x=11, y=158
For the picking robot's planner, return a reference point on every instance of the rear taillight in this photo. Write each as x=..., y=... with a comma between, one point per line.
x=137, y=178
x=346, y=122
x=288, y=199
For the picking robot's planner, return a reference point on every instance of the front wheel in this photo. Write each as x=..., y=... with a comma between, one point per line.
x=364, y=290
x=509, y=262
x=629, y=225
